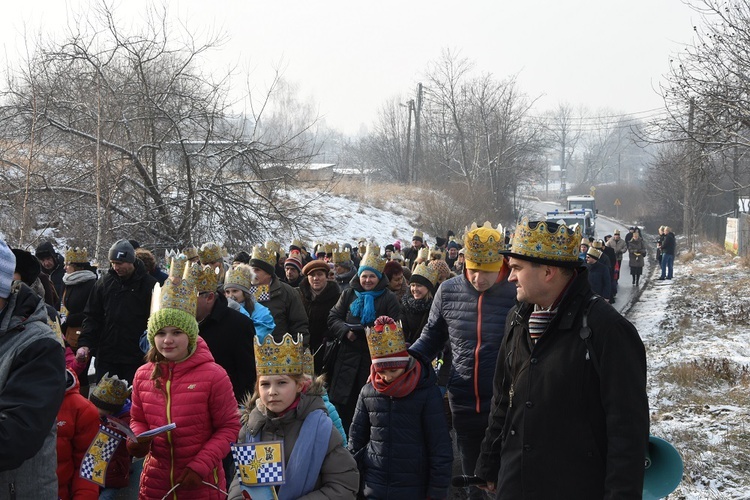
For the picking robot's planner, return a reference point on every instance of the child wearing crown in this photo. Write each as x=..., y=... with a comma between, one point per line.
x=181, y=384
x=110, y=396
x=399, y=435
x=287, y=406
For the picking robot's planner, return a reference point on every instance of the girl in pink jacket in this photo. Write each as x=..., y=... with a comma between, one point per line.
x=181, y=384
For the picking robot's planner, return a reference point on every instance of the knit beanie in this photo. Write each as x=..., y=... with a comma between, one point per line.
x=293, y=262
x=122, y=251
x=176, y=318
x=7, y=268
x=387, y=346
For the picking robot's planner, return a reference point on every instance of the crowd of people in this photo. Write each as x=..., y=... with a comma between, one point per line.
x=359, y=361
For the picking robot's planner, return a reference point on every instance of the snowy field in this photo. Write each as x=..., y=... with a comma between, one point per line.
x=697, y=334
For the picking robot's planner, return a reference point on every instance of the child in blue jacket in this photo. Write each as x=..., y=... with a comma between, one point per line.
x=399, y=434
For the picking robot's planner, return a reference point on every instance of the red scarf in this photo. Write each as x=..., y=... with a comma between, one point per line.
x=400, y=387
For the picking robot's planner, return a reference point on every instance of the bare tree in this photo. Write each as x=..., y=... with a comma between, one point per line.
x=130, y=126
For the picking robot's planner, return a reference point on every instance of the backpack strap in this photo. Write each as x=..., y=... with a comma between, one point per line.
x=586, y=332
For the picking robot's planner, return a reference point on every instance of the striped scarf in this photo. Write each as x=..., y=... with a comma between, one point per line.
x=539, y=320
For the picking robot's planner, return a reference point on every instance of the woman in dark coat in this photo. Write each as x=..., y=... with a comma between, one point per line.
x=78, y=281
x=415, y=305
x=318, y=295
x=637, y=253
x=366, y=299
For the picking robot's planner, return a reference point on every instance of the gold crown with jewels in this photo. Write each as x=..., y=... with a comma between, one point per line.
x=76, y=255
x=178, y=292
x=426, y=272
x=279, y=358
x=340, y=257
x=261, y=253
x=372, y=258
x=484, y=244
x=240, y=275
x=209, y=253
x=205, y=278
x=546, y=243
x=385, y=339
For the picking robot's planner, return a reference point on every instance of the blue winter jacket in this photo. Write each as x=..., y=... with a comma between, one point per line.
x=402, y=445
x=473, y=322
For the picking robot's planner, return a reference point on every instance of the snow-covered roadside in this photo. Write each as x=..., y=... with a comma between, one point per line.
x=697, y=335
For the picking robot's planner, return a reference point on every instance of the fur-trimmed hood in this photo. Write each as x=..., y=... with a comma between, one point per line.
x=310, y=400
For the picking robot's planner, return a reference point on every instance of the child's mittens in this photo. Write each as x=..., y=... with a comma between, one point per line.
x=189, y=479
x=140, y=448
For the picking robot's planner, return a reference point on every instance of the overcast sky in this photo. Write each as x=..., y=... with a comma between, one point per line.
x=350, y=56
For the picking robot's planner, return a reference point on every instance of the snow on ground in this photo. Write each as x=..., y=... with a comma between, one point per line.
x=697, y=335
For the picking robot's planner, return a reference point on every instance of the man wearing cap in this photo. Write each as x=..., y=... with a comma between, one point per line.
x=468, y=313
x=417, y=243
x=318, y=295
x=570, y=415
x=32, y=385
x=620, y=246
x=116, y=314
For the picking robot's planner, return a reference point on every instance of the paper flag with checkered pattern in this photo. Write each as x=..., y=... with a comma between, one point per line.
x=260, y=463
x=100, y=452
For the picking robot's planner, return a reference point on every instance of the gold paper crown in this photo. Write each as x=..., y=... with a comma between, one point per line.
x=341, y=257
x=386, y=342
x=396, y=255
x=209, y=253
x=541, y=244
x=483, y=244
x=282, y=358
x=373, y=259
x=273, y=246
x=330, y=247
x=205, y=278
x=190, y=252
x=111, y=391
x=423, y=253
x=261, y=253
x=598, y=244
x=585, y=241
x=177, y=266
x=177, y=293
x=437, y=254
x=240, y=275
x=308, y=365
x=427, y=272
x=298, y=243
x=76, y=255
x=595, y=253
x=418, y=234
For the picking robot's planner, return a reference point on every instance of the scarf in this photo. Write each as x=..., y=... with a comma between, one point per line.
x=78, y=277
x=363, y=306
x=402, y=386
x=414, y=306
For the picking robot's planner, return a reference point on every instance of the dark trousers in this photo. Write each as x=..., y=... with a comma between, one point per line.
x=470, y=429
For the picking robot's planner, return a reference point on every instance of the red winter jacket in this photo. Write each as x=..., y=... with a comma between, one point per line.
x=195, y=394
x=77, y=425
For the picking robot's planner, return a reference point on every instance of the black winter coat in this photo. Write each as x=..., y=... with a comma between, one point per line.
x=116, y=315
x=402, y=445
x=352, y=365
x=568, y=430
x=473, y=323
x=229, y=335
x=287, y=311
x=317, y=308
x=669, y=244
x=75, y=297
x=600, y=279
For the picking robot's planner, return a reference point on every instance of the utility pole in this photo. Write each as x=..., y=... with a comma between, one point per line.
x=407, y=173
x=417, y=137
x=687, y=205
x=562, y=162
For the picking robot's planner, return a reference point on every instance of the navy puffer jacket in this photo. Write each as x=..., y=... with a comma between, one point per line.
x=402, y=445
x=473, y=322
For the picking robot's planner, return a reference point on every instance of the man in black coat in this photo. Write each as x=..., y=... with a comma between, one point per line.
x=318, y=295
x=667, y=253
x=116, y=315
x=569, y=416
x=53, y=265
x=229, y=335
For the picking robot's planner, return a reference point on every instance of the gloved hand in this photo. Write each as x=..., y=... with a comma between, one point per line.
x=139, y=448
x=189, y=479
x=82, y=353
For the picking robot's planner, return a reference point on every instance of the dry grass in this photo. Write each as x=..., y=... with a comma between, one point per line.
x=686, y=257
x=707, y=372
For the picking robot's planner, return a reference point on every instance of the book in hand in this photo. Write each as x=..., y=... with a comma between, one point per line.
x=120, y=426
